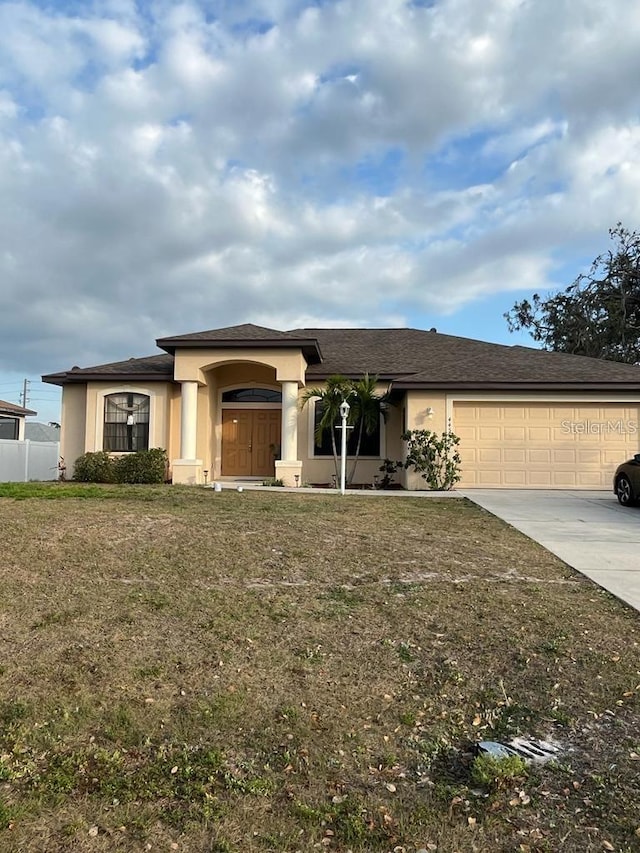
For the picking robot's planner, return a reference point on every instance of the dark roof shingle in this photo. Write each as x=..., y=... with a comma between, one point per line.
x=245, y=335
x=417, y=358
x=149, y=368
x=244, y=332
x=411, y=358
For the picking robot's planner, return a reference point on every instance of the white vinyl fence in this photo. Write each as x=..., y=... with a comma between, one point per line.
x=21, y=461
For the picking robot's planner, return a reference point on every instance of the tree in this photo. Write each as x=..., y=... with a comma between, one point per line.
x=599, y=314
x=329, y=398
x=366, y=407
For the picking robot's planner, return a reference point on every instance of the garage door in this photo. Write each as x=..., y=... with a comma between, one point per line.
x=537, y=445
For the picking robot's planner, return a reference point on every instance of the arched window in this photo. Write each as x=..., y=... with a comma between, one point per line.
x=252, y=395
x=126, y=423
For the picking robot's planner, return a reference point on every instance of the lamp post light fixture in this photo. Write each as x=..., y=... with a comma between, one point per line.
x=345, y=408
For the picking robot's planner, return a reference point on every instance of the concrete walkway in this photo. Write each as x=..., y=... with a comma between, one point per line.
x=588, y=530
x=249, y=486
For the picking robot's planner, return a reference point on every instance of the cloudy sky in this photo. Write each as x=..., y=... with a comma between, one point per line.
x=167, y=167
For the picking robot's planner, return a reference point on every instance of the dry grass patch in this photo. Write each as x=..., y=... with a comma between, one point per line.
x=274, y=672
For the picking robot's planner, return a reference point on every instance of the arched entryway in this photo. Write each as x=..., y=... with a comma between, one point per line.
x=251, y=431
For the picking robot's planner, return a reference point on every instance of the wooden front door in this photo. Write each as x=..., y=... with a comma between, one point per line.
x=248, y=440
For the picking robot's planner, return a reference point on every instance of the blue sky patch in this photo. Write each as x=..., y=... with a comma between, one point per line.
x=460, y=163
x=251, y=27
x=378, y=174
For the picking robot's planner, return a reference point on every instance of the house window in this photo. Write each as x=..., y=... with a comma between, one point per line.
x=251, y=395
x=9, y=428
x=126, y=423
x=369, y=446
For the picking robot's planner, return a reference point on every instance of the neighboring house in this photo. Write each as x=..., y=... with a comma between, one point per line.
x=227, y=402
x=12, y=420
x=35, y=431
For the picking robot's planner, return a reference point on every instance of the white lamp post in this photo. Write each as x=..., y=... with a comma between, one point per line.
x=344, y=414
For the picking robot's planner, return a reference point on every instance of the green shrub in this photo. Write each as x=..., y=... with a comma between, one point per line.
x=94, y=468
x=389, y=468
x=144, y=466
x=435, y=457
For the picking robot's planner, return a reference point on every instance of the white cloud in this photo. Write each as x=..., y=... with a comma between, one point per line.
x=185, y=165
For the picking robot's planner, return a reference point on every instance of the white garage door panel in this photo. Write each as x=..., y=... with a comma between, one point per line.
x=589, y=457
x=540, y=457
x=538, y=445
x=514, y=433
x=536, y=434
x=565, y=455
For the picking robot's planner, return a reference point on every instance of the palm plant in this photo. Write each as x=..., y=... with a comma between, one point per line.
x=337, y=389
x=366, y=409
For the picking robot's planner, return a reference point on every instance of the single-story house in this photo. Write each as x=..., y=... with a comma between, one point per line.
x=12, y=420
x=227, y=402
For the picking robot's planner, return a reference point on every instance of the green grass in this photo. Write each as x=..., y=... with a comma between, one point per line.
x=278, y=672
x=492, y=772
x=60, y=491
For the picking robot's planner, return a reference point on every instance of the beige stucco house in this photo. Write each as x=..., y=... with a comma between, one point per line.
x=12, y=420
x=227, y=402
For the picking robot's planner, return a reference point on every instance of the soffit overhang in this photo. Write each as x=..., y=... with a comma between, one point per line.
x=308, y=346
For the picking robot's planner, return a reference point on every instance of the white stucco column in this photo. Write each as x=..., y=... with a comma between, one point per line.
x=288, y=467
x=188, y=470
x=188, y=420
x=289, y=441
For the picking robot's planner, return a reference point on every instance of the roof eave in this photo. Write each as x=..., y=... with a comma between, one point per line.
x=54, y=378
x=511, y=387
x=16, y=413
x=74, y=377
x=309, y=346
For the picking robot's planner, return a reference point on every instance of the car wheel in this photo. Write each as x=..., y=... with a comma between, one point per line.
x=624, y=491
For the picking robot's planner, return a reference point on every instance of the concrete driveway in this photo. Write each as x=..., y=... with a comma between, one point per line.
x=588, y=530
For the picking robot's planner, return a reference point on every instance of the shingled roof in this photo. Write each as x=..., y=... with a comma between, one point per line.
x=14, y=410
x=409, y=358
x=246, y=335
x=414, y=358
x=149, y=369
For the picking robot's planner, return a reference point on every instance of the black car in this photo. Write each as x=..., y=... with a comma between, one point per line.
x=626, y=481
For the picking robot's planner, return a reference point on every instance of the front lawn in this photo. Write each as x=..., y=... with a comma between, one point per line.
x=196, y=671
